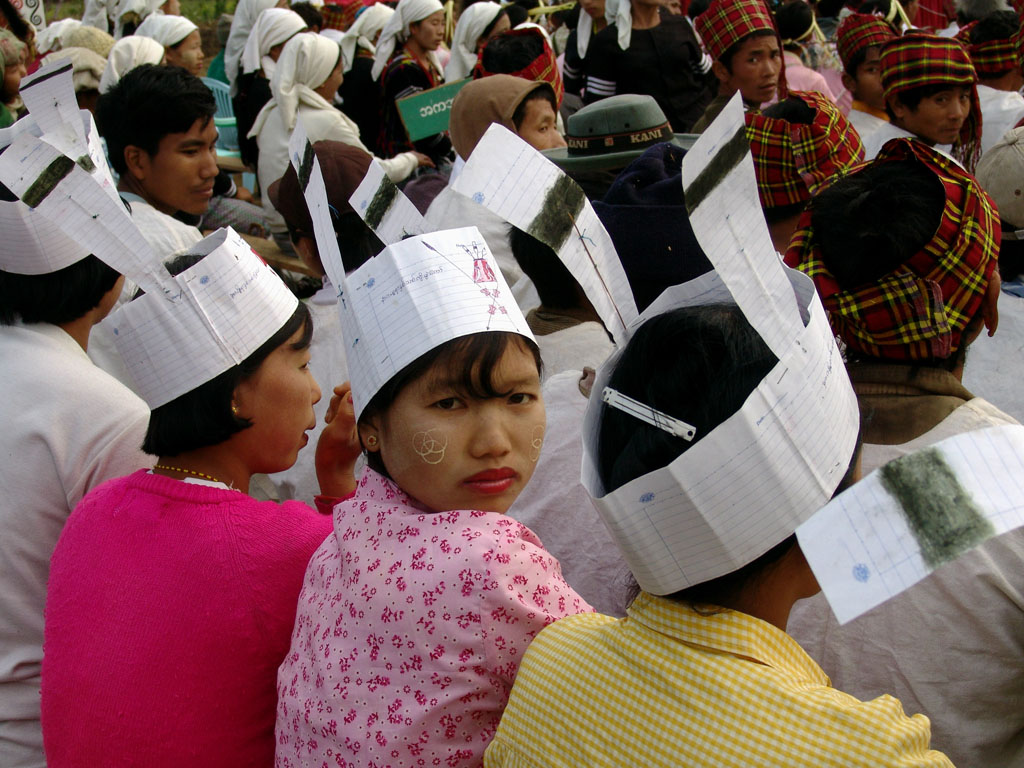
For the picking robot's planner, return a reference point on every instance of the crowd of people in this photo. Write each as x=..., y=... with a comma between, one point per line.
x=185, y=580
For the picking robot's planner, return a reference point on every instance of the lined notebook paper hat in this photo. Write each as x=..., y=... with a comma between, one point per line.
x=416, y=295
x=746, y=485
x=211, y=317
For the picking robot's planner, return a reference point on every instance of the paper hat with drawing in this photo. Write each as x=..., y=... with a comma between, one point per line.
x=516, y=182
x=210, y=317
x=384, y=207
x=709, y=513
x=186, y=329
x=31, y=244
x=416, y=295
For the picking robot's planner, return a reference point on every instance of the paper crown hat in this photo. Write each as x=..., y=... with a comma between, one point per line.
x=416, y=295
x=745, y=486
x=31, y=244
x=220, y=311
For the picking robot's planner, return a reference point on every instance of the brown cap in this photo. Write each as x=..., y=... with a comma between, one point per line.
x=343, y=167
x=489, y=100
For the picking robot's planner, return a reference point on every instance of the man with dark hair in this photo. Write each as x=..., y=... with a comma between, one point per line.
x=799, y=145
x=68, y=427
x=903, y=254
x=522, y=53
x=994, y=48
x=161, y=139
x=859, y=40
x=741, y=38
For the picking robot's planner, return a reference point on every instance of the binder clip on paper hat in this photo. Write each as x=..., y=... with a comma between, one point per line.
x=792, y=439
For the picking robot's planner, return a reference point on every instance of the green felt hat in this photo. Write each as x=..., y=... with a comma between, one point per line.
x=610, y=133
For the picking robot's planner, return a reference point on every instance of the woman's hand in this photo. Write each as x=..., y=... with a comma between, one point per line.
x=338, y=447
x=424, y=160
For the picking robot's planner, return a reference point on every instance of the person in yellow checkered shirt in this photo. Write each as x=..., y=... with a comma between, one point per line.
x=705, y=675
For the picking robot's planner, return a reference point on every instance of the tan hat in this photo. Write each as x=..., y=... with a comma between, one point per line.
x=489, y=100
x=1001, y=174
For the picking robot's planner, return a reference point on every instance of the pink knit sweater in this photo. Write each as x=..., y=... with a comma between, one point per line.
x=169, y=609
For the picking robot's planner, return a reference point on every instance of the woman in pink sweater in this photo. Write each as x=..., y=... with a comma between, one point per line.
x=172, y=592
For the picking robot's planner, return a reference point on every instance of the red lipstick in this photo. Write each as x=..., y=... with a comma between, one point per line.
x=492, y=481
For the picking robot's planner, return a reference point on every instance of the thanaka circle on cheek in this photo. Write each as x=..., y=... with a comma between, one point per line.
x=430, y=445
x=536, y=442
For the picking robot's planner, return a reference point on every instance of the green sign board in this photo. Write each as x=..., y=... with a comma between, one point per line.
x=426, y=113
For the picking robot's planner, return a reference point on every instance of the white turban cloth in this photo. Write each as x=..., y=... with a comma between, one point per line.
x=166, y=30
x=397, y=31
x=620, y=13
x=54, y=37
x=141, y=8
x=273, y=27
x=128, y=53
x=472, y=23
x=87, y=66
x=306, y=62
x=362, y=32
x=246, y=13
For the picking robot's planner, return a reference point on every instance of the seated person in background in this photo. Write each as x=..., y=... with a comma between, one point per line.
x=180, y=39
x=796, y=24
x=68, y=427
x=477, y=24
x=128, y=53
x=741, y=38
x=13, y=58
x=590, y=22
x=994, y=47
x=161, y=140
x=859, y=40
x=645, y=51
x=87, y=67
x=306, y=78
x=523, y=53
x=799, y=145
x=930, y=94
x=405, y=63
x=360, y=95
x=526, y=108
x=903, y=253
x=273, y=28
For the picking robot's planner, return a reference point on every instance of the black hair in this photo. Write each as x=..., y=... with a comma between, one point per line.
x=880, y=8
x=697, y=7
x=555, y=285
x=356, y=241
x=1011, y=256
x=870, y=222
x=542, y=91
x=471, y=359
x=516, y=15
x=203, y=416
x=1001, y=25
x=794, y=19
x=494, y=22
x=829, y=9
x=733, y=49
x=309, y=14
x=699, y=364
x=15, y=22
x=148, y=103
x=57, y=297
x=912, y=97
x=506, y=53
x=858, y=58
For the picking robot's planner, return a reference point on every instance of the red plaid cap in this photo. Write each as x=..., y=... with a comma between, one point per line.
x=920, y=310
x=859, y=31
x=542, y=69
x=994, y=57
x=726, y=22
x=919, y=59
x=792, y=161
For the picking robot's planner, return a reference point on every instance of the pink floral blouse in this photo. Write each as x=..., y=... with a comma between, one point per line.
x=409, y=632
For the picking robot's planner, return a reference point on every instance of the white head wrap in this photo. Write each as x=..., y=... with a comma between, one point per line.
x=472, y=23
x=128, y=53
x=54, y=37
x=306, y=62
x=620, y=13
x=87, y=66
x=363, y=30
x=273, y=27
x=397, y=30
x=246, y=13
x=166, y=30
x=142, y=8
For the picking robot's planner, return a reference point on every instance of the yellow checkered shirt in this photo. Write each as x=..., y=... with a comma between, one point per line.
x=670, y=687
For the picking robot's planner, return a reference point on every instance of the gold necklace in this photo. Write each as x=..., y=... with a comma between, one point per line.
x=188, y=472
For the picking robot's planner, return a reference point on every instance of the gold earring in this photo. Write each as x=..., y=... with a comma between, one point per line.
x=371, y=441
x=234, y=410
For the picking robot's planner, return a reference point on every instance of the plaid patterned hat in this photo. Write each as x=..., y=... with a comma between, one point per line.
x=993, y=57
x=919, y=59
x=542, y=69
x=727, y=22
x=792, y=161
x=859, y=31
x=920, y=310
